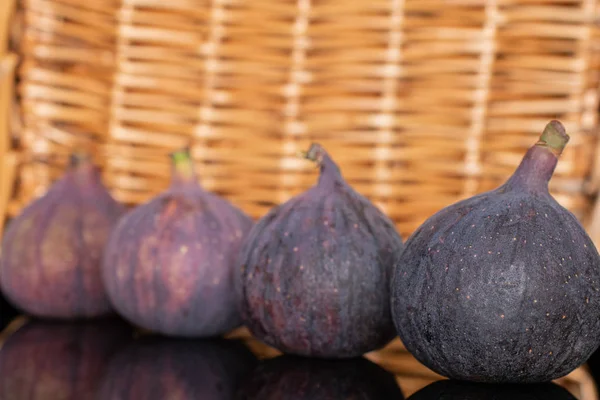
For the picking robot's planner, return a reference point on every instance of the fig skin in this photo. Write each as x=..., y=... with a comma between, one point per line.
x=299, y=378
x=51, y=360
x=316, y=270
x=51, y=252
x=502, y=287
x=152, y=368
x=169, y=263
x=458, y=390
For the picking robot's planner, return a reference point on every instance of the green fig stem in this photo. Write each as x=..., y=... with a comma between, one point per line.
x=183, y=169
x=554, y=137
x=314, y=153
x=538, y=164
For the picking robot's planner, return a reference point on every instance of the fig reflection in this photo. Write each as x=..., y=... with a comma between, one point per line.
x=58, y=360
x=155, y=368
x=459, y=390
x=297, y=378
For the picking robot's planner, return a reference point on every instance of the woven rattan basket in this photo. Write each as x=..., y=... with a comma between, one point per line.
x=421, y=102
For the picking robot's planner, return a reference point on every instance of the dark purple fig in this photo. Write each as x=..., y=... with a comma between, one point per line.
x=59, y=361
x=298, y=378
x=316, y=271
x=503, y=286
x=51, y=253
x=459, y=390
x=169, y=263
x=152, y=368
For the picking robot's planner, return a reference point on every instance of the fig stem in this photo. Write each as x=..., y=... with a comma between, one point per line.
x=183, y=165
x=79, y=157
x=315, y=153
x=330, y=172
x=538, y=164
x=554, y=137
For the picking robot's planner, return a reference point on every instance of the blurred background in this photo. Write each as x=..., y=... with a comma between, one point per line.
x=421, y=102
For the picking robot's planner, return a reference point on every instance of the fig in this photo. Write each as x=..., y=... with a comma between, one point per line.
x=169, y=263
x=298, y=378
x=184, y=369
x=503, y=286
x=315, y=271
x=52, y=360
x=51, y=252
x=459, y=390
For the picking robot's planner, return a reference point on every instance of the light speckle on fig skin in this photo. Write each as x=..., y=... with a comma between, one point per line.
x=333, y=300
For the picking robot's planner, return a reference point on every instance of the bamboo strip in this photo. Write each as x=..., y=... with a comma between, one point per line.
x=6, y=12
x=8, y=173
x=7, y=66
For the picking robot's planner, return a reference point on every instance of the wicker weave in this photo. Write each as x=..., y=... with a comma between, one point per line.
x=422, y=102
x=7, y=65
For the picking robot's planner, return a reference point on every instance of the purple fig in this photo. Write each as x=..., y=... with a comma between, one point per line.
x=51, y=253
x=168, y=265
x=316, y=271
x=503, y=286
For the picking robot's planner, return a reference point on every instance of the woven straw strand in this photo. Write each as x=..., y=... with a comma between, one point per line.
x=8, y=61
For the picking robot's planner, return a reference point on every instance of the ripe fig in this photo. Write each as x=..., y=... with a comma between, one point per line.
x=157, y=368
x=168, y=265
x=459, y=390
x=51, y=252
x=49, y=360
x=316, y=271
x=298, y=378
x=503, y=286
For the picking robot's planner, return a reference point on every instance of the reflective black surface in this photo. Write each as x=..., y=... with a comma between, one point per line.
x=108, y=359
x=455, y=390
x=53, y=360
x=7, y=312
x=153, y=368
x=296, y=378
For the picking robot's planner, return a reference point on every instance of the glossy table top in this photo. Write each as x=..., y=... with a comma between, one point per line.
x=108, y=359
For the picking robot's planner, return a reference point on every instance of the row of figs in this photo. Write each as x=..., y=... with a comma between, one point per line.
x=500, y=287
x=102, y=360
